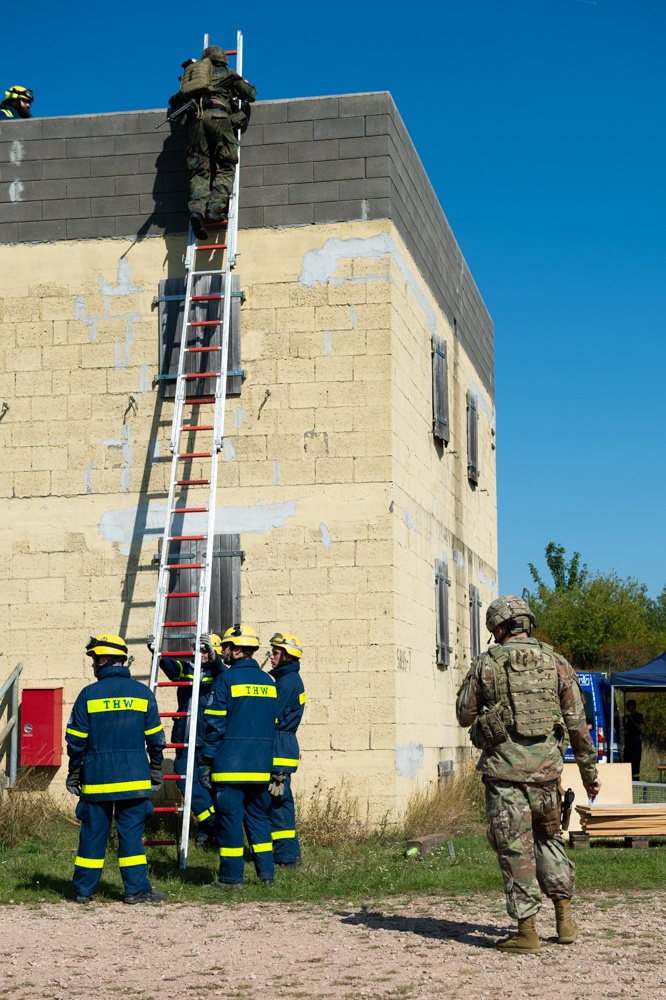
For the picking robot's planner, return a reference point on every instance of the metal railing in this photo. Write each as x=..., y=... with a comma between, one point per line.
x=9, y=699
x=648, y=792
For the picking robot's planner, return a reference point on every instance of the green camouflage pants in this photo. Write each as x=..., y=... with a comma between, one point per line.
x=529, y=855
x=212, y=152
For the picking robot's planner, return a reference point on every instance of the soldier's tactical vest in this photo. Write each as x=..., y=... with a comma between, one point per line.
x=526, y=689
x=197, y=79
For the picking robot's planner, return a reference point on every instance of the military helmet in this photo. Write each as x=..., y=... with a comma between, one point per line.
x=291, y=645
x=107, y=645
x=215, y=54
x=19, y=94
x=510, y=608
x=241, y=635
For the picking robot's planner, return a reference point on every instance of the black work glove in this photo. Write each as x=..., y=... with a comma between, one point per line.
x=204, y=776
x=276, y=786
x=206, y=645
x=156, y=777
x=73, y=783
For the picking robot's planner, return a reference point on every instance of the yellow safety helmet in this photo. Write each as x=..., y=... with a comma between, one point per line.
x=107, y=645
x=241, y=635
x=216, y=643
x=19, y=94
x=291, y=645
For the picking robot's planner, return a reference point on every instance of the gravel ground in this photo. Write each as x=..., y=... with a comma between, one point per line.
x=419, y=948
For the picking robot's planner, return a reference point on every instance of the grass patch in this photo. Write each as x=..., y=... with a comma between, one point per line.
x=27, y=812
x=453, y=808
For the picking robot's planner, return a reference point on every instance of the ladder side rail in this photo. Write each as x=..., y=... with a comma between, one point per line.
x=232, y=229
x=191, y=742
x=181, y=383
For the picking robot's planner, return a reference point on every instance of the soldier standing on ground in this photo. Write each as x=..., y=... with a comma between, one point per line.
x=17, y=103
x=212, y=121
x=115, y=743
x=523, y=703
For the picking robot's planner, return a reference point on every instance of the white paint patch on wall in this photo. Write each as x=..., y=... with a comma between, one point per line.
x=238, y=418
x=228, y=450
x=352, y=314
x=320, y=266
x=85, y=317
x=140, y=521
x=410, y=520
x=325, y=535
x=16, y=191
x=124, y=285
x=327, y=343
x=458, y=558
x=490, y=582
x=16, y=152
x=89, y=472
x=125, y=445
x=277, y=473
x=408, y=759
x=144, y=379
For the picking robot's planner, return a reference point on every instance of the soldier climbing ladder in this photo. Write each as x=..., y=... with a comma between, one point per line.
x=182, y=521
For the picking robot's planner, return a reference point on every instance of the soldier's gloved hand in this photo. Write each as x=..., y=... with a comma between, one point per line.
x=276, y=786
x=156, y=776
x=150, y=643
x=206, y=645
x=204, y=776
x=73, y=783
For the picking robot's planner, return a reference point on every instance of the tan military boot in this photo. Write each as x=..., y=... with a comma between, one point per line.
x=525, y=942
x=567, y=928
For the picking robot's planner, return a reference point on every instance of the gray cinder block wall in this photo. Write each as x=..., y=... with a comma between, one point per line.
x=305, y=161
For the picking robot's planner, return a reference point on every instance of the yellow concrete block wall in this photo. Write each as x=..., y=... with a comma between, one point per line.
x=328, y=471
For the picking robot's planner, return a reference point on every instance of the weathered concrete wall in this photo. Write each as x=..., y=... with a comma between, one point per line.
x=329, y=472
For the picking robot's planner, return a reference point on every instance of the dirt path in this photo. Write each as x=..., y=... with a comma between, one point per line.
x=420, y=948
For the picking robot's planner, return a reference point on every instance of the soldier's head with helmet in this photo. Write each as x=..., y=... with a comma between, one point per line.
x=105, y=649
x=240, y=642
x=508, y=617
x=18, y=102
x=285, y=648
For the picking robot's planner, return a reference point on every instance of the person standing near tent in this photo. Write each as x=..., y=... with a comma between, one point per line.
x=633, y=741
x=524, y=705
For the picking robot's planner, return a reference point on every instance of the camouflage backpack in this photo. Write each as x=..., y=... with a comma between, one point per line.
x=527, y=688
x=197, y=79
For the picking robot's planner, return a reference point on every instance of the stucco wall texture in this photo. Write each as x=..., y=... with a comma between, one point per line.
x=329, y=471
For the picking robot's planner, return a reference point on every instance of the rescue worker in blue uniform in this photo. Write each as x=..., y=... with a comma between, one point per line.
x=286, y=651
x=17, y=103
x=115, y=744
x=203, y=799
x=237, y=757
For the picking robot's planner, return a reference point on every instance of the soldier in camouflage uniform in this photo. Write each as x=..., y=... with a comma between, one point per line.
x=212, y=151
x=523, y=703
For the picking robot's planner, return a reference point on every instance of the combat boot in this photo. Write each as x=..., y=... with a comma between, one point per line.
x=525, y=942
x=567, y=928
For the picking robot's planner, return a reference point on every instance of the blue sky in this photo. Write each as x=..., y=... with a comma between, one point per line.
x=541, y=126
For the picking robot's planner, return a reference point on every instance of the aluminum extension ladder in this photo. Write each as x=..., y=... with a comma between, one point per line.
x=194, y=509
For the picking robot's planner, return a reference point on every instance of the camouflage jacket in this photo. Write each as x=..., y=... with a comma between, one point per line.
x=220, y=104
x=531, y=761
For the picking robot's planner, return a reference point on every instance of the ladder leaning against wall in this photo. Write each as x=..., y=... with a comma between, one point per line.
x=190, y=514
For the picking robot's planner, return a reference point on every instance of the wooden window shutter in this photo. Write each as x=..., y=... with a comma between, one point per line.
x=171, y=301
x=472, y=438
x=474, y=623
x=442, y=584
x=441, y=427
x=225, y=592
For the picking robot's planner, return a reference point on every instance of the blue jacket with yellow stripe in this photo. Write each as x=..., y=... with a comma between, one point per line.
x=183, y=670
x=7, y=112
x=240, y=725
x=113, y=729
x=291, y=705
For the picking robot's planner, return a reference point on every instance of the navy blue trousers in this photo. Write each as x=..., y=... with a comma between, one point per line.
x=282, y=819
x=203, y=799
x=237, y=806
x=130, y=816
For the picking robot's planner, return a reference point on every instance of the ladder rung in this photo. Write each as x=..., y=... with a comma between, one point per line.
x=173, y=715
x=192, y=375
x=216, y=224
x=185, y=566
x=206, y=298
x=189, y=510
x=211, y=246
x=187, y=538
x=168, y=809
x=159, y=843
x=190, y=482
x=197, y=400
x=183, y=593
x=195, y=427
x=177, y=624
x=220, y=270
x=174, y=684
x=177, y=652
x=172, y=746
x=205, y=322
x=195, y=454
x=173, y=777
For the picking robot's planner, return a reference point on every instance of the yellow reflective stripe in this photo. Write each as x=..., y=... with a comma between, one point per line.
x=253, y=691
x=283, y=834
x=223, y=776
x=261, y=848
x=89, y=862
x=75, y=732
x=285, y=762
x=116, y=786
x=215, y=711
x=135, y=859
x=118, y=705
x=231, y=852
x=205, y=814
x=157, y=729
x=301, y=698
